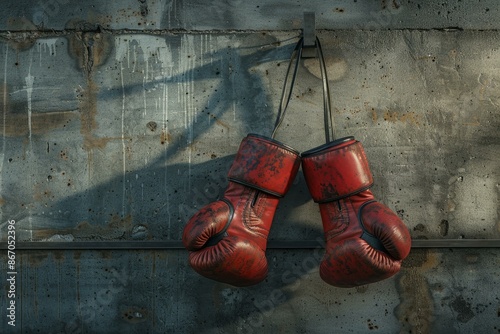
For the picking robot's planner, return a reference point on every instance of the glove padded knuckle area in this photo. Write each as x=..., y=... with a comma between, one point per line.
x=207, y=222
x=211, y=259
x=232, y=260
x=354, y=263
x=384, y=224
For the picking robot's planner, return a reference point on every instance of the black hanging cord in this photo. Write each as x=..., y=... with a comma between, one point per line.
x=285, y=99
x=327, y=104
x=286, y=94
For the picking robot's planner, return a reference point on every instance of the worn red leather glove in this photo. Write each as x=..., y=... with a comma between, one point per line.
x=365, y=240
x=227, y=239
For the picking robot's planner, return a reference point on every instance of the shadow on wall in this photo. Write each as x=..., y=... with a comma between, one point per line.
x=155, y=201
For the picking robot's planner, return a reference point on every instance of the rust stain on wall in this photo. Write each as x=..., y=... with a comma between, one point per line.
x=374, y=115
x=21, y=41
x=409, y=117
x=117, y=228
x=35, y=258
x=88, y=112
x=90, y=50
x=77, y=254
x=415, y=311
x=395, y=116
x=219, y=122
x=165, y=137
x=58, y=255
x=16, y=124
x=106, y=254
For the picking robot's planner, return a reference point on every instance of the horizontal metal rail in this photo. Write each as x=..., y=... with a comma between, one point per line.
x=272, y=244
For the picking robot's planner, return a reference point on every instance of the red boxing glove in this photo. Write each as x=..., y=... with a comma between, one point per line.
x=365, y=240
x=227, y=239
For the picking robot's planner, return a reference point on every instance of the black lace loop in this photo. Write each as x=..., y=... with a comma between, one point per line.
x=286, y=94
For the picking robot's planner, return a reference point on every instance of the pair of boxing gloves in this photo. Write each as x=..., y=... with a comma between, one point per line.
x=365, y=240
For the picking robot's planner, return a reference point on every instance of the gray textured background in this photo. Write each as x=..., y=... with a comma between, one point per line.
x=120, y=120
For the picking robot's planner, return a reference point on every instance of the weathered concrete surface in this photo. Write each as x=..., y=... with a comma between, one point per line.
x=110, y=134
x=156, y=292
x=125, y=136
x=25, y=15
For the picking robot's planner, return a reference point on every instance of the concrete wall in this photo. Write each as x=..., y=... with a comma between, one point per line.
x=120, y=120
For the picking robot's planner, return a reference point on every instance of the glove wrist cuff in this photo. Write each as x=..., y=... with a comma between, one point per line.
x=265, y=164
x=336, y=170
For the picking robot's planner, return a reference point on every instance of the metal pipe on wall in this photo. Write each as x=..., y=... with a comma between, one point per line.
x=273, y=244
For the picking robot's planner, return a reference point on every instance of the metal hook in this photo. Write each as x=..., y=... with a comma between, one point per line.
x=309, y=34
